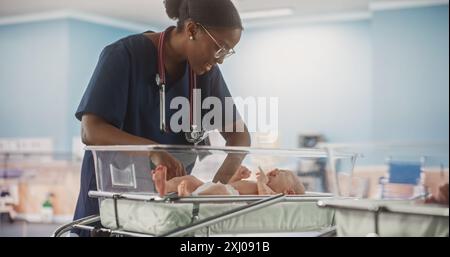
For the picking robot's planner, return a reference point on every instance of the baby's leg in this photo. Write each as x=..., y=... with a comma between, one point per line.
x=159, y=175
x=193, y=181
x=163, y=187
x=190, y=184
x=217, y=189
x=185, y=188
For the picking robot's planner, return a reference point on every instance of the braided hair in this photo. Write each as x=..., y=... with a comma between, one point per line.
x=210, y=13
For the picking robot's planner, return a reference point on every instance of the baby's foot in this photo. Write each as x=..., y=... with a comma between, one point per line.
x=159, y=178
x=183, y=189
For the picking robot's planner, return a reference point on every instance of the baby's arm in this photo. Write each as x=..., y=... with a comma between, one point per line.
x=262, y=180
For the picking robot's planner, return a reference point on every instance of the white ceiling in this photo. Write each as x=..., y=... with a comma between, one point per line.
x=151, y=12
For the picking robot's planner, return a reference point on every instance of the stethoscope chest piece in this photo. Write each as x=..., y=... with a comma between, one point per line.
x=195, y=136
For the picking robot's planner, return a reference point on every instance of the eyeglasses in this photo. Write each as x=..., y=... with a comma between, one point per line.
x=223, y=52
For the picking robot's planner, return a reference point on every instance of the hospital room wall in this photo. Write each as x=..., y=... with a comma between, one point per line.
x=86, y=41
x=33, y=80
x=45, y=67
x=380, y=79
x=320, y=72
x=411, y=78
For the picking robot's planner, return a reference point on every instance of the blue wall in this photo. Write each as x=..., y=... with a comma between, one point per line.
x=321, y=74
x=44, y=69
x=411, y=78
x=33, y=80
x=86, y=41
x=384, y=79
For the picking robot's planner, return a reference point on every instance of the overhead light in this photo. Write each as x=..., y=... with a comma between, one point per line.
x=267, y=13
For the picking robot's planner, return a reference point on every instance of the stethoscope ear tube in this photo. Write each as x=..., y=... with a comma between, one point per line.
x=162, y=108
x=162, y=104
x=196, y=135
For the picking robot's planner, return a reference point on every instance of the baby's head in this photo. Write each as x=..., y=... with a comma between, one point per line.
x=285, y=181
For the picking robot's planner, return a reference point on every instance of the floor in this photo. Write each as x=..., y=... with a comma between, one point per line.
x=20, y=228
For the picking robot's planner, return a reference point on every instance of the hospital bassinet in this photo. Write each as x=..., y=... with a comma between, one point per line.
x=388, y=218
x=130, y=205
x=390, y=182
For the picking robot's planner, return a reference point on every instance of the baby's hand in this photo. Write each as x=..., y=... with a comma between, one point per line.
x=243, y=173
x=262, y=178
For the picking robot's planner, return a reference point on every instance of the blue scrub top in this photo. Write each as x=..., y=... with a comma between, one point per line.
x=124, y=93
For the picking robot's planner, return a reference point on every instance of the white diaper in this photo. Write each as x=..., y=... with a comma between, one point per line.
x=231, y=190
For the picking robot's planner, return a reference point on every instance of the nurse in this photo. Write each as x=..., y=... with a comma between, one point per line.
x=121, y=105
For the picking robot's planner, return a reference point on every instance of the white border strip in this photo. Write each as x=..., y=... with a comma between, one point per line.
x=353, y=16
x=103, y=20
x=17, y=19
x=257, y=14
x=342, y=17
x=82, y=16
x=389, y=5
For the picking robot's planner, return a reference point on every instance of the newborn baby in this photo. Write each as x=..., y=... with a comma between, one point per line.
x=274, y=182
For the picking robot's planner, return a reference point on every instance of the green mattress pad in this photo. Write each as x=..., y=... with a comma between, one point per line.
x=156, y=218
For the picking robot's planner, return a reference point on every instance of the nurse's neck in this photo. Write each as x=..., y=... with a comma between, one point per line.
x=175, y=55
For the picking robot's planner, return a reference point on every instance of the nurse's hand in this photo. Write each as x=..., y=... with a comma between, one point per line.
x=174, y=167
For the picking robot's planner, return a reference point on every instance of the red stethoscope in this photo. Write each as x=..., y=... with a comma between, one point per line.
x=196, y=135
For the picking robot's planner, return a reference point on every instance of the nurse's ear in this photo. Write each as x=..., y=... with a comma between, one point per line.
x=191, y=29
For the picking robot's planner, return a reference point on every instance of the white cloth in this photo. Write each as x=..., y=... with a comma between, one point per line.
x=231, y=190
